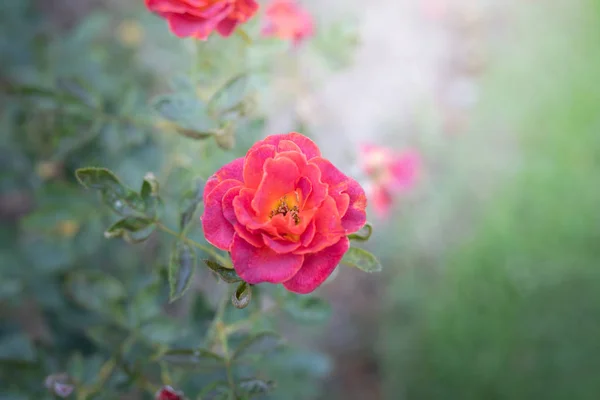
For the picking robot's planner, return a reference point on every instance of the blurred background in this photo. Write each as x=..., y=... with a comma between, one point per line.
x=491, y=285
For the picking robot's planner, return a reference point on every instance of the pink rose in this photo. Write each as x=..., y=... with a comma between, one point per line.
x=199, y=18
x=287, y=20
x=283, y=212
x=390, y=173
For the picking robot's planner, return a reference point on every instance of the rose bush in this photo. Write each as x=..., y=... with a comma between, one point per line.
x=199, y=18
x=287, y=20
x=283, y=212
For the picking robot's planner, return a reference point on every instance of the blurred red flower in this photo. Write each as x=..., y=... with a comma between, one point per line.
x=283, y=212
x=199, y=18
x=286, y=20
x=390, y=173
x=168, y=393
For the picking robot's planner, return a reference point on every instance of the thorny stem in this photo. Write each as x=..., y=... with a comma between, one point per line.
x=222, y=260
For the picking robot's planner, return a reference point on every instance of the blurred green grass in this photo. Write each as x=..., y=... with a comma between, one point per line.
x=515, y=312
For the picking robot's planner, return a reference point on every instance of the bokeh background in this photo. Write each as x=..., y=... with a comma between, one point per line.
x=491, y=281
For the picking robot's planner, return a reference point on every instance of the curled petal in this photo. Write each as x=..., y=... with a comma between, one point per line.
x=254, y=239
x=355, y=216
x=280, y=176
x=258, y=265
x=288, y=145
x=227, y=26
x=217, y=229
x=328, y=228
x=307, y=146
x=233, y=170
x=254, y=163
x=280, y=246
x=309, y=234
x=319, y=189
x=317, y=267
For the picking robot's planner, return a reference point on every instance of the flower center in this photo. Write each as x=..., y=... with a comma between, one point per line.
x=287, y=204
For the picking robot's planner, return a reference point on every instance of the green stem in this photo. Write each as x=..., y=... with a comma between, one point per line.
x=227, y=357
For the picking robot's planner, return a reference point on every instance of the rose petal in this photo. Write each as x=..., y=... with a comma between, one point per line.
x=288, y=145
x=184, y=25
x=319, y=188
x=258, y=265
x=305, y=188
x=355, y=216
x=307, y=146
x=328, y=228
x=227, y=204
x=280, y=246
x=217, y=230
x=233, y=170
x=309, y=234
x=254, y=163
x=280, y=176
x=317, y=267
x=254, y=239
x=227, y=26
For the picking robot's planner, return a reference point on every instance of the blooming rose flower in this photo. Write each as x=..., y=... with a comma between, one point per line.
x=168, y=393
x=287, y=20
x=199, y=18
x=390, y=173
x=283, y=212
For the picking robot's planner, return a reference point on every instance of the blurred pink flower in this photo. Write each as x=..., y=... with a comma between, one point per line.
x=199, y=18
x=391, y=174
x=168, y=393
x=286, y=20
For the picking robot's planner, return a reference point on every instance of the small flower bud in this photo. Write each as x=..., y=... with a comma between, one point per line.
x=168, y=393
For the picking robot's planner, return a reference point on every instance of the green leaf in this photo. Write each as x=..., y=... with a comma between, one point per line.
x=242, y=296
x=361, y=259
x=255, y=387
x=225, y=136
x=189, y=203
x=260, y=343
x=307, y=308
x=110, y=337
x=198, y=358
x=132, y=229
x=226, y=274
x=98, y=178
x=95, y=290
x=16, y=347
x=188, y=113
x=161, y=330
x=181, y=269
x=75, y=87
x=193, y=134
x=230, y=96
x=121, y=199
x=362, y=237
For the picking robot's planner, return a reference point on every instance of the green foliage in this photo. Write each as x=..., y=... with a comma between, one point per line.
x=361, y=259
x=98, y=314
x=181, y=269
